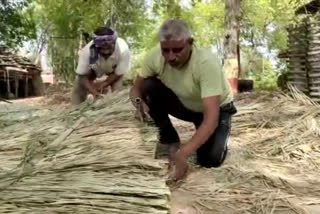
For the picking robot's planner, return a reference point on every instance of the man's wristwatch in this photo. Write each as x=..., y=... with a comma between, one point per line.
x=136, y=100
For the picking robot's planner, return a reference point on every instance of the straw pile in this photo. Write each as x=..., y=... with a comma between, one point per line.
x=273, y=163
x=93, y=160
x=96, y=160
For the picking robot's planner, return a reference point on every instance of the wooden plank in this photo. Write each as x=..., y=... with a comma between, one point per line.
x=314, y=31
x=295, y=43
x=297, y=47
x=315, y=88
x=313, y=59
x=314, y=47
x=300, y=73
x=314, y=52
x=296, y=70
x=314, y=64
x=297, y=55
x=314, y=67
x=297, y=59
x=301, y=84
x=9, y=68
x=297, y=65
x=297, y=73
x=315, y=94
x=315, y=43
x=298, y=77
x=314, y=81
x=314, y=74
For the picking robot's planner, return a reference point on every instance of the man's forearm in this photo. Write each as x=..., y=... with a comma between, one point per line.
x=136, y=89
x=110, y=80
x=90, y=87
x=202, y=134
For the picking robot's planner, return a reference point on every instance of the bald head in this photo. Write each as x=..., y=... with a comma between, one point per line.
x=174, y=29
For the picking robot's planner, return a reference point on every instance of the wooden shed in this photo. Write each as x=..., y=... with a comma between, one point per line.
x=19, y=77
x=303, y=54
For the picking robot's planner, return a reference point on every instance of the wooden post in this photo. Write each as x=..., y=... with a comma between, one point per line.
x=8, y=84
x=26, y=87
x=16, y=84
x=231, y=42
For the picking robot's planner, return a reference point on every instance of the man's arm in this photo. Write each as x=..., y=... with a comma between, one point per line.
x=83, y=70
x=207, y=127
x=111, y=79
x=89, y=85
x=136, y=91
x=123, y=66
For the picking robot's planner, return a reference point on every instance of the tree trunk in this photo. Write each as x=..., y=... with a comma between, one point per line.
x=231, y=42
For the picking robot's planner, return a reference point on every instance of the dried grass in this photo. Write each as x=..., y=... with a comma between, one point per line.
x=92, y=160
x=98, y=160
x=274, y=159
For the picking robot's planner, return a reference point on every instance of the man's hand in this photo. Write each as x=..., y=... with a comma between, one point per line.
x=178, y=165
x=98, y=85
x=142, y=110
x=92, y=98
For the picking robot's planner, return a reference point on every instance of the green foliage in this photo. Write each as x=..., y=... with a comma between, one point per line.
x=256, y=67
x=207, y=21
x=16, y=23
x=263, y=24
x=266, y=20
x=266, y=78
x=63, y=21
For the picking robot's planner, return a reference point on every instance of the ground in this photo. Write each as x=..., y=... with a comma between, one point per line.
x=272, y=165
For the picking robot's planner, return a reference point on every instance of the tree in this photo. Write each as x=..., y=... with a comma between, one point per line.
x=16, y=24
x=231, y=44
x=65, y=21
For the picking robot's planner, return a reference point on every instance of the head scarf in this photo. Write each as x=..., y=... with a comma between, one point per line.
x=102, y=40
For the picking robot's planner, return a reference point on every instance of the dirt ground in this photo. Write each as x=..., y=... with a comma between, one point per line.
x=183, y=202
x=186, y=201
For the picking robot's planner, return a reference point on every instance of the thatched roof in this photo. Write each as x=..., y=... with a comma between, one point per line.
x=12, y=63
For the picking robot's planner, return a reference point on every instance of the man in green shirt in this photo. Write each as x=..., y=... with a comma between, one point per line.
x=187, y=82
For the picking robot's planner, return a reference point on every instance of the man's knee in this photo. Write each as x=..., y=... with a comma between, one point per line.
x=214, y=159
x=153, y=91
x=151, y=85
x=79, y=92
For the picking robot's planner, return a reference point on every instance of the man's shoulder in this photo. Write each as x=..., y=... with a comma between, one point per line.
x=208, y=62
x=86, y=49
x=122, y=44
x=154, y=53
x=206, y=55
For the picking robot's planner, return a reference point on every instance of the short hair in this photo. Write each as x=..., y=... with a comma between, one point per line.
x=103, y=31
x=174, y=29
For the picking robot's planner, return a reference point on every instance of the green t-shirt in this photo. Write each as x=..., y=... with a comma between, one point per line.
x=201, y=77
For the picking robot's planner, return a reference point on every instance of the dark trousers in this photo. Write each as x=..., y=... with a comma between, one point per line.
x=162, y=102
